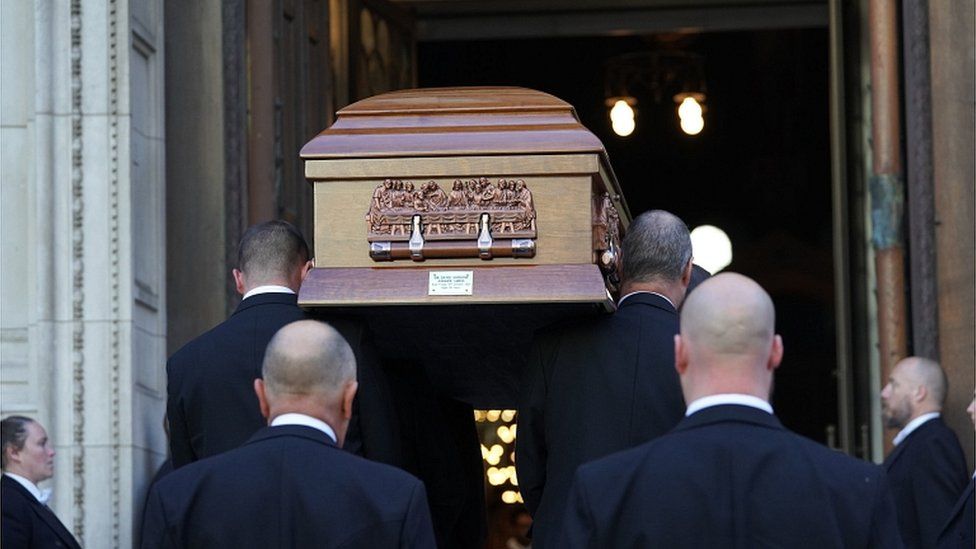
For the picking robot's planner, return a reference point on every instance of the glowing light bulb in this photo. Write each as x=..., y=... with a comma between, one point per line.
x=689, y=108
x=692, y=126
x=711, y=247
x=624, y=128
x=622, y=118
x=691, y=113
x=508, y=415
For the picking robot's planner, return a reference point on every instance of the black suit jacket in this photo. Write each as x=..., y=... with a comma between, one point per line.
x=27, y=523
x=730, y=476
x=927, y=472
x=211, y=403
x=288, y=486
x=958, y=530
x=591, y=390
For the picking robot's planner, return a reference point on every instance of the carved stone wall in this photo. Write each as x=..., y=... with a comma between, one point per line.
x=83, y=322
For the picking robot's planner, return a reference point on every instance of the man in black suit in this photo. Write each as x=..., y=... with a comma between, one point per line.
x=729, y=475
x=608, y=384
x=957, y=533
x=27, y=459
x=211, y=406
x=291, y=485
x=926, y=469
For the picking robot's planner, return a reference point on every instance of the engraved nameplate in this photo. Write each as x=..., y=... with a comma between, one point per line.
x=450, y=282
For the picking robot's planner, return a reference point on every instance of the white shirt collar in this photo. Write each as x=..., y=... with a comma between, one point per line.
x=914, y=424
x=666, y=298
x=269, y=289
x=728, y=398
x=40, y=495
x=307, y=421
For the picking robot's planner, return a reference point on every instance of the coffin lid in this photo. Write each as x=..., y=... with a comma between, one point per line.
x=455, y=122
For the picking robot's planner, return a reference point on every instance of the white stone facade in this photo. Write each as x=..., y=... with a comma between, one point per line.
x=82, y=240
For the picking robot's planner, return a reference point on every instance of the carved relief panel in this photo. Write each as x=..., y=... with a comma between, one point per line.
x=606, y=238
x=496, y=218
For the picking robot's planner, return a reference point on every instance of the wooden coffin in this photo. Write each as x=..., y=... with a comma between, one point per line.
x=462, y=196
x=425, y=200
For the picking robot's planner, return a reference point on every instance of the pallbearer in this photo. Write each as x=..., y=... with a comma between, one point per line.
x=607, y=384
x=730, y=474
x=291, y=485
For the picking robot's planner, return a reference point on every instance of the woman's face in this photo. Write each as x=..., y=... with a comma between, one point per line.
x=35, y=461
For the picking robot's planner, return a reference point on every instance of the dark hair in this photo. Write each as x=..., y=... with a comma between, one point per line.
x=13, y=433
x=657, y=247
x=271, y=250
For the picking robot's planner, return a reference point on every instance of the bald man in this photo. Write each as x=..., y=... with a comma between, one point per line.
x=290, y=485
x=729, y=475
x=926, y=468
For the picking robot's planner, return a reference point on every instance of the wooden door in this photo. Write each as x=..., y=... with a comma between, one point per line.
x=306, y=59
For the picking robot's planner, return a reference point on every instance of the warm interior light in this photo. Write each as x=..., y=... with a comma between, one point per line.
x=497, y=432
x=511, y=496
x=711, y=247
x=493, y=455
x=690, y=112
x=622, y=118
x=497, y=475
x=692, y=126
x=506, y=434
x=689, y=108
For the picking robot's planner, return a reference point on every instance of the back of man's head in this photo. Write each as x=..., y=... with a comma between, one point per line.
x=309, y=369
x=727, y=342
x=657, y=247
x=307, y=358
x=270, y=252
x=927, y=373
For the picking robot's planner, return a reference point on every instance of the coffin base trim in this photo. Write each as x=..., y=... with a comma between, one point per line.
x=352, y=287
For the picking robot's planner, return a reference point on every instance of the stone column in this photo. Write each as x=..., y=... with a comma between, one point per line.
x=83, y=243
